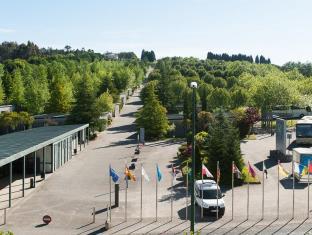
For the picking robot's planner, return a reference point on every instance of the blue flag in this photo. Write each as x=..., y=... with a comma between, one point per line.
x=159, y=175
x=113, y=174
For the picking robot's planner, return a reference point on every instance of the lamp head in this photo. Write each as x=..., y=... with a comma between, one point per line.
x=193, y=84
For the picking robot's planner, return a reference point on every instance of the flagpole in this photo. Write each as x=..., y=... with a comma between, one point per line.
x=141, y=191
x=186, y=201
x=217, y=190
x=293, y=208
x=262, y=215
x=202, y=195
x=308, y=216
x=278, y=188
x=110, y=195
x=126, y=192
x=248, y=197
x=232, y=190
x=156, y=191
x=172, y=191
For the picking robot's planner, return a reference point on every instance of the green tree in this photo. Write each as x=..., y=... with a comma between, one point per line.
x=239, y=97
x=105, y=102
x=16, y=89
x=219, y=98
x=61, y=94
x=223, y=145
x=153, y=118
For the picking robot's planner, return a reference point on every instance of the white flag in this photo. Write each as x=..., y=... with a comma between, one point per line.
x=145, y=175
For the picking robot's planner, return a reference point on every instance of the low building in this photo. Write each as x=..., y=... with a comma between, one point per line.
x=6, y=108
x=38, y=151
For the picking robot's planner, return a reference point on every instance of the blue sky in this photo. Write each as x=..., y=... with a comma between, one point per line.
x=279, y=29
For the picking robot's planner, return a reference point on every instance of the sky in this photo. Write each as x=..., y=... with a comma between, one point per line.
x=279, y=29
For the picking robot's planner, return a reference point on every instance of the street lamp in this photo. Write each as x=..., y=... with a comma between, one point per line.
x=193, y=86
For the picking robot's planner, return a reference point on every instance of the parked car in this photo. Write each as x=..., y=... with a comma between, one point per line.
x=206, y=193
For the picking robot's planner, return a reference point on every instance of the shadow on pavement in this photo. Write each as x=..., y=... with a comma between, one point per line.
x=279, y=229
x=269, y=163
x=294, y=229
x=287, y=183
x=40, y=225
x=251, y=226
x=130, y=225
x=265, y=227
x=145, y=225
x=231, y=230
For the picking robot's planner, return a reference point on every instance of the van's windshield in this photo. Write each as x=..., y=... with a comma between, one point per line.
x=211, y=194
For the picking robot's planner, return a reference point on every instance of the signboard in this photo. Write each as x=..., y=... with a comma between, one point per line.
x=46, y=219
x=281, y=135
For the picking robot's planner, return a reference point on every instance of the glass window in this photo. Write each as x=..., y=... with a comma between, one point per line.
x=211, y=194
x=304, y=130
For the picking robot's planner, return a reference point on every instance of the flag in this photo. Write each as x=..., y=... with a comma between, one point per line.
x=282, y=171
x=236, y=171
x=174, y=172
x=296, y=168
x=145, y=175
x=158, y=173
x=304, y=171
x=129, y=174
x=113, y=174
x=206, y=172
x=310, y=168
x=251, y=170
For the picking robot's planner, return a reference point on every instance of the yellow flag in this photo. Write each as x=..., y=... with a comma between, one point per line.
x=129, y=174
x=304, y=171
x=282, y=171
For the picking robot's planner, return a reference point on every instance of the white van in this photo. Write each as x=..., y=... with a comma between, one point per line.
x=290, y=112
x=209, y=202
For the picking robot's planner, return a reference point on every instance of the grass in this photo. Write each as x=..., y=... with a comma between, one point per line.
x=251, y=137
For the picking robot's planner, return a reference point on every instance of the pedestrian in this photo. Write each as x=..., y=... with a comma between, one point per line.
x=266, y=173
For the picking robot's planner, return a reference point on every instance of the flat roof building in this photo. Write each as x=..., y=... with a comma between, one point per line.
x=38, y=151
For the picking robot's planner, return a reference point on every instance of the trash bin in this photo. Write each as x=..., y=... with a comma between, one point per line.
x=42, y=175
x=32, y=183
x=116, y=195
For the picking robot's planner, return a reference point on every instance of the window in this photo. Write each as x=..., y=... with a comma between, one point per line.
x=304, y=130
x=211, y=194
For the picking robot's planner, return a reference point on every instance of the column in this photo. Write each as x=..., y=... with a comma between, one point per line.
x=44, y=162
x=52, y=158
x=84, y=133
x=35, y=168
x=23, y=193
x=80, y=134
x=10, y=186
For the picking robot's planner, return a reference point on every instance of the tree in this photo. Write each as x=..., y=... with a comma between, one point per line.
x=257, y=61
x=16, y=89
x=219, y=98
x=61, y=94
x=152, y=117
x=105, y=102
x=223, y=145
x=239, y=97
x=2, y=95
x=204, y=119
x=86, y=108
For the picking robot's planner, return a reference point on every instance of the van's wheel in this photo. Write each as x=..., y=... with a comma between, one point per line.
x=301, y=115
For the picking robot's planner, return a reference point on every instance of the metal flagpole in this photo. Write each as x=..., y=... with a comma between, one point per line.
x=202, y=196
x=278, y=188
x=186, y=201
x=156, y=192
x=308, y=215
x=248, y=197
x=110, y=195
x=217, y=190
x=172, y=191
x=126, y=194
x=141, y=191
x=293, y=208
x=232, y=190
x=262, y=214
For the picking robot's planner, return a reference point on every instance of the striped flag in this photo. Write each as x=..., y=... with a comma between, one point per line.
x=218, y=174
x=236, y=171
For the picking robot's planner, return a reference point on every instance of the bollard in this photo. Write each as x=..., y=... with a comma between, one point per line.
x=32, y=183
x=93, y=213
x=116, y=195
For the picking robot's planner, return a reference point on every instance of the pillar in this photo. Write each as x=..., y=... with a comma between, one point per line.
x=52, y=158
x=44, y=163
x=23, y=192
x=35, y=168
x=84, y=133
x=10, y=186
x=80, y=139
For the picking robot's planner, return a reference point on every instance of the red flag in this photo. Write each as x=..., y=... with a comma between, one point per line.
x=251, y=170
x=310, y=168
x=206, y=172
x=236, y=171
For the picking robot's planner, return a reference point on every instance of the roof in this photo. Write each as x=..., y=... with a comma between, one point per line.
x=304, y=121
x=18, y=144
x=303, y=150
x=206, y=184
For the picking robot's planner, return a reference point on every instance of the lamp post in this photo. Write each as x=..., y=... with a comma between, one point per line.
x=193, y=86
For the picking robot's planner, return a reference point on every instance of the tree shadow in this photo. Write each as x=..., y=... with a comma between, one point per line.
x=287, y=183
x=269, y=163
